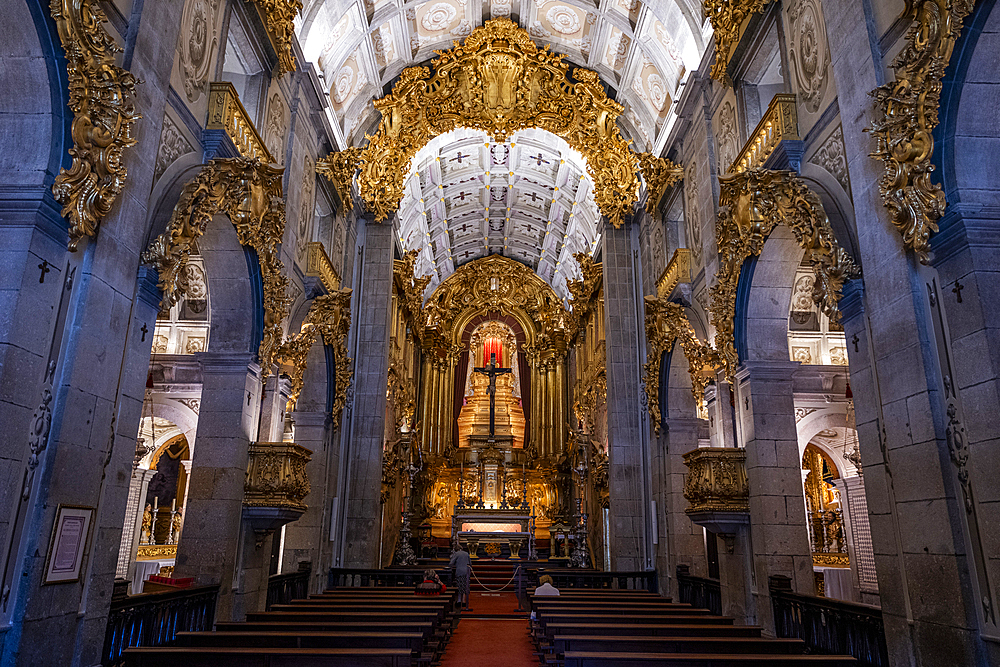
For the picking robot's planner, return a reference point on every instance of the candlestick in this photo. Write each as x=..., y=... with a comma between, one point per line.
x=173, y=505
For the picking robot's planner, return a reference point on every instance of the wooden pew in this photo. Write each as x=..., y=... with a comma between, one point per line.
x=652, y=630
x=299, y=638
x=425, y=628
x=618, y=644
x=607, y=659
x=632, y=618
x=241, y=656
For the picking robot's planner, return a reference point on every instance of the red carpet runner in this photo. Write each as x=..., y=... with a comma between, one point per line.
x=490, y=643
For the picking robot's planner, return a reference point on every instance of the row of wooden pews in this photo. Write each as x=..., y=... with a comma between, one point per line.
x=615, y=628
x=345, y=627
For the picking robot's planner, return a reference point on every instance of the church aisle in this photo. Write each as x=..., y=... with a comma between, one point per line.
x=489, y=643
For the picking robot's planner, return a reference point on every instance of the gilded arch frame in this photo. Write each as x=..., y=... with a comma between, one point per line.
x=500, y=82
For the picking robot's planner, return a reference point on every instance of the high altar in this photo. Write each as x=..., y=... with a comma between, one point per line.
x=508, y=487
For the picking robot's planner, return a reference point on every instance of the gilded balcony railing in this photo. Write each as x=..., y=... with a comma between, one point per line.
x=276, y=476
x=779, y=123
x=318, y=265
x=716, y=480
x=677, y=271
x=226, y=113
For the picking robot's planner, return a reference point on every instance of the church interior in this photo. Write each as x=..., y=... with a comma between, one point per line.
x=342, y=332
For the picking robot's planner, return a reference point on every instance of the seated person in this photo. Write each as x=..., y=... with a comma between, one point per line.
x=431, y=585
x=545, y=586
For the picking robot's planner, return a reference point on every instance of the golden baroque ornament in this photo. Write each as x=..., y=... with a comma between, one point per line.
x=583, y=290
x=499, y=82
x=727, y=17
x=752, y=204
x=906, y=115
x=339, y=168
x=498, y=284
x=329, y=317
x=279, y=15
x=249, y=192
x=103, y=117
x=404, y=272
x=659, y=174
x=667, y=323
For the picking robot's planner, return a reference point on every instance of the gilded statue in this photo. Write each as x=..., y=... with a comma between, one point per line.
x=146, y=535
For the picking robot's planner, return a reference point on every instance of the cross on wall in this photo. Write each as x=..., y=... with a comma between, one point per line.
x=458, y=158
x=539, y=160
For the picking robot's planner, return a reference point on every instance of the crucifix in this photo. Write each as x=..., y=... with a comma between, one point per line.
x=492, y=371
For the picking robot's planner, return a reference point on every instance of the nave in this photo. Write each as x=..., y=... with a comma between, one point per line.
x=376, y=625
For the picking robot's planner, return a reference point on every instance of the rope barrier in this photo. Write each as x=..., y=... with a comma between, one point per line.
x=496, y=590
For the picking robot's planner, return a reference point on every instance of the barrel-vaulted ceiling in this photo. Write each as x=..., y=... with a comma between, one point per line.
x=528, y=198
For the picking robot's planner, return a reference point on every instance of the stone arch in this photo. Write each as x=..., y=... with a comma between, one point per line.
x=837, y=204
x=811, y=425
x=182, y=416
x=969, y=87
x=38, y=114
x=767, y=283
x=247, y=194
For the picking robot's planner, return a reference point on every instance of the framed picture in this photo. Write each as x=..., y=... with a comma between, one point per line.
x=69, y=540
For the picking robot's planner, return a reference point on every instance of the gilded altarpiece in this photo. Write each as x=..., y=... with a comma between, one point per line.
x=588, y=455
x=491, y=306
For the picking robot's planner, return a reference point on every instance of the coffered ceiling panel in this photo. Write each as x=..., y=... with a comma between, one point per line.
x=528, y=198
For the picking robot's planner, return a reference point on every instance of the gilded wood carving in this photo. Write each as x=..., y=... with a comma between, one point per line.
x=249, y=192
x=751, y=205
x=329, y=317
x=496, y=283
x=906, y=115
x=666, y=323
x=340, y=168
x=727, y=17
x=104, y=117
x=279, y=15
x=500, y=82
x=659, y=174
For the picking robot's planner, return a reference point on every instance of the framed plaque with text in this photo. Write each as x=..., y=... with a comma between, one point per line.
x=69, y=540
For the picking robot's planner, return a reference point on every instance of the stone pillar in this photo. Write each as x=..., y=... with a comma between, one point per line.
x=627, y=465
x=779, y=540
x=305, y=536
x=132, y=526
x=272, y=409
x=364, y=466
x=920, y=532
x=684, y=540
x=212, y=539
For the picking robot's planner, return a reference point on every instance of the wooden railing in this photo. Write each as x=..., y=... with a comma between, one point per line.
x=154, y=619
x=830, y=627
x=639, y=581
x=698, y=591
x=226, y=114
x=283, y=588
x=780, y=123
x=371, y=578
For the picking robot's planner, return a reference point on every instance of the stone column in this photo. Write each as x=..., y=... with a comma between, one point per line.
x=779, y=540
x=305, y=536
x=212, y=539
x=132, y=527
x=364, y=467
x=685, y=541
x=903, y=382
x=627, y=469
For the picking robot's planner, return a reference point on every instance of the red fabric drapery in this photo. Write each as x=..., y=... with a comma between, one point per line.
x=492, y=346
